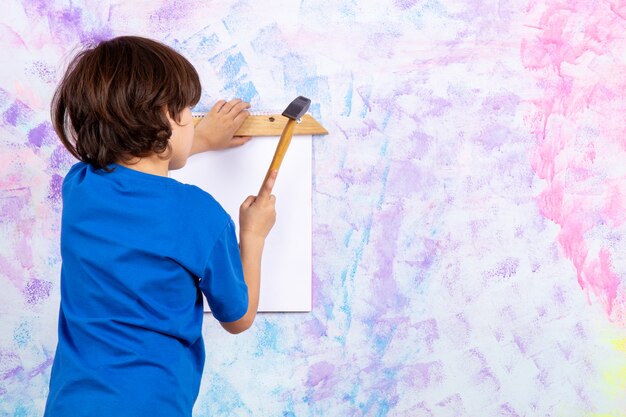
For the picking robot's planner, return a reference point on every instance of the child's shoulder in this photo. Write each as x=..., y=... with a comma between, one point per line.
x=199, y=195
x=76, y=168
x=203, y=203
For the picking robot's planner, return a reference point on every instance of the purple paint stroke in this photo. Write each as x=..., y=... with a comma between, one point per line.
x=384, y=382
x=438, y=106
x=427, y=333
x=315, y=328
x=68, y=19
x=501, y=104
x=405, y=4
x=23, y=247
x=170, y=15
x=322, y=235
x=420, y=143
x=521, y=343
x=68, y=24
x=493, y=136
x=453, y=403
x=10, y=365
x=13, y=201
x=505, y=269
x=10, y=271
x=17, y=113
x=43, y=133
x=541, y=311
x=40, y=368
x=425, y=258
x=61, y=158
x=407, y=178
x=566, y=350
x=37, y=290
x=461, y=330
x=39, y=7
x=542, y=377
x=384, y=330
x=350, y=176
x=384, y=42
x=507, y=314
x=508, y=411
x=581, y=392
x=12, y=372
x=321, y=380
x=498, y=335
x=45, y=73
x=319, y=372
x=385, y=293
x=424, y=375
x=484, y=373
x=419, y=410
x=5, y=97
x=56, y=184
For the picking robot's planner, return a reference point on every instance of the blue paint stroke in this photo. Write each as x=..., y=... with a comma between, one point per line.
x=384, y=179
x=348, y=98
x=232, y=66
x=232, y=71
x=221, y=398
x=268, y=337
x=22, y=334
x=246, y=91
x=346, y=239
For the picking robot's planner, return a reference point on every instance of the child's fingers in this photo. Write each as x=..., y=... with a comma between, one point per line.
x=244, y=105
x=266, y=190
x=239, y=140
x=248, y=202
x=230, y=105
x=241, y=117
x=240, y=108
x=218, y=106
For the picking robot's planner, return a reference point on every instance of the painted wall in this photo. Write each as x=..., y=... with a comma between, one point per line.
x=469, y=202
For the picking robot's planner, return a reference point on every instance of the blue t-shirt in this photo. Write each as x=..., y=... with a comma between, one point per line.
x=138, y=250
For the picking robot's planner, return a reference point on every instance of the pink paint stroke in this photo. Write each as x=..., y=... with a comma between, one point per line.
x=576, y=53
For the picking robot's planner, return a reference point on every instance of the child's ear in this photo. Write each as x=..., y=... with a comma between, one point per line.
x=170, y=117
x=167, y=114
x=179, y=116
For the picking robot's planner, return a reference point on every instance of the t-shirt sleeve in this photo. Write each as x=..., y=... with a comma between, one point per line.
x=223, y=283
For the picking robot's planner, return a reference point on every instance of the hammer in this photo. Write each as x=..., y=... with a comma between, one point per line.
x=294, y=111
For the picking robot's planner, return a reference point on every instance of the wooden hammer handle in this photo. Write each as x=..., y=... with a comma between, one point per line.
x=281, y=149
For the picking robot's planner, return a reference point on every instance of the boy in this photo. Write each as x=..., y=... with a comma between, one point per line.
x=138, y=247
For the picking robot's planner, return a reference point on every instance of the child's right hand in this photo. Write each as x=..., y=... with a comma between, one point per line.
x=257, y=215
x=216, y=129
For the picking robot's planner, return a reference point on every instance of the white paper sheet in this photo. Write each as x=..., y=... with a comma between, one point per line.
x=231, y=175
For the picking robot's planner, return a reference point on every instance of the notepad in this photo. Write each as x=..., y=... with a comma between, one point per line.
x=231, y=175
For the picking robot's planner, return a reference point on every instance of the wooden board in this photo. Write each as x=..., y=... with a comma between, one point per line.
x=273, y=125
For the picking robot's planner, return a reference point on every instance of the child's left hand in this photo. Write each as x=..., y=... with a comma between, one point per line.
x=216, y=129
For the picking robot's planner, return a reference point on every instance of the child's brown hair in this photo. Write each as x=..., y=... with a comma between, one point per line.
x=111, y=102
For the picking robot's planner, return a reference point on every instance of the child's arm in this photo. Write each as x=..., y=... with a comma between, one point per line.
x=257, y=216
x=215, y=131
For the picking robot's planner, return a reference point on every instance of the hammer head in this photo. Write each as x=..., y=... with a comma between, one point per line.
x=297, y=108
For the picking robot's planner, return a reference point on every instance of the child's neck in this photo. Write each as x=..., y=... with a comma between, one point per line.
x=149, y=164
